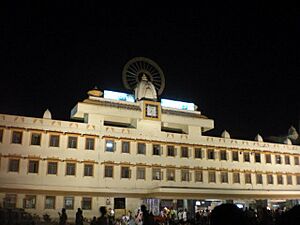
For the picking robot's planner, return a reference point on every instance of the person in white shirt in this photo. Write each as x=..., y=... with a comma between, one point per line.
x=139, y=217
x=184, y=216
x=180, y=216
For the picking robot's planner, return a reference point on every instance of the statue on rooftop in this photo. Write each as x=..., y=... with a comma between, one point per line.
x=145, y=77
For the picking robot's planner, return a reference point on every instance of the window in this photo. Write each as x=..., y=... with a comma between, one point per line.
x=171, y=174
x=236, y=178
x=33, y=166
x=141, y=148
x=52, y=168
x=10, y=201
x=246, y=157
x=279, y=179
x=88, y=170
x=29, y=202
x=268, y=158
x=156, y=174
x=223, y=155
x=198, y=153
x=156, y=150
x=296, y=159
x=1, y=135
x=119, y=203
x=198, y=176
x=224, y=177
x=235, y=156
x=259, y=179
x=287, y=160
x=14, y=165
x=86, y=203
x=248, y=178
x=170, y=150
x=184, y=152
x=125, y=172
x=141, y=173
x=210, y=154
x=70, y=169
x=298, y=180
x=108, y=171
x=36, y=139
x=17, y=137
x=110, y=145
x=54, y=140
x=278, y=159
x=69, y=202
x=50, y=202
x=125, y=147
x=90, y=143
x=289, y=179
x=270, y=179
x=185, y=175
x=257, y=157
x=211, y=176
x=72, y=142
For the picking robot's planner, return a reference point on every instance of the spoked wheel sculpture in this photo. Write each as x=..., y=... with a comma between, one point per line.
x=134, y=70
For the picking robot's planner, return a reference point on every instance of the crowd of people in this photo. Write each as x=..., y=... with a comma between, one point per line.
x=225, y=214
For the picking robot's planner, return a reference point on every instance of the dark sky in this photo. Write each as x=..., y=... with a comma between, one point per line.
x=240, y=66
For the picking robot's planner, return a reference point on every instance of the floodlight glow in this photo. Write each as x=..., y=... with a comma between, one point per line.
x=109, y=144
x=240, y=206
x=198, y=203
x=118, y=96
x=177, y=104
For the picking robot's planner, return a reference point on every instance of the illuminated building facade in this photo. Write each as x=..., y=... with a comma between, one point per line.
x=121, y=150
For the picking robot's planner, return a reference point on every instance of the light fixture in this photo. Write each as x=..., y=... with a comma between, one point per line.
x=109, y=144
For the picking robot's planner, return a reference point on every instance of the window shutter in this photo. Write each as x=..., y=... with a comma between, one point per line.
x=161, y=175
x=190, y=176
x=129, y=173
x=175, y=151
x=190, y=152
x=161, y=150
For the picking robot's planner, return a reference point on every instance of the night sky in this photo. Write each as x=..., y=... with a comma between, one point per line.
x=240, y=66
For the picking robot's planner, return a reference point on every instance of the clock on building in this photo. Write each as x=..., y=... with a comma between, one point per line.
x=151, y=110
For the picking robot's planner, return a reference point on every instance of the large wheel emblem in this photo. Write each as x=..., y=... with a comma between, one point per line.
x=137, y=67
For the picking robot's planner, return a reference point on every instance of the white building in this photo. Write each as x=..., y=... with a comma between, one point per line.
x=121, y=153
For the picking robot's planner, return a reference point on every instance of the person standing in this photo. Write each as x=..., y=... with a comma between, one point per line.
x=185, y=216
x=63, y=217
x=180, y=216
x=94, y=221
x=147, y=218
x=139, y=217
x=79, y=217
x=103, y=219
x=131, y=220
x=111, y=215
